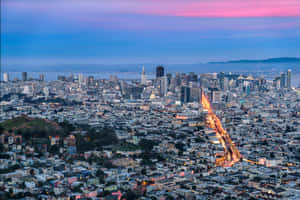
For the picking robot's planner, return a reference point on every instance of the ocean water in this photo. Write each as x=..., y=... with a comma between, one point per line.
x=51, y=76
x=133, y=71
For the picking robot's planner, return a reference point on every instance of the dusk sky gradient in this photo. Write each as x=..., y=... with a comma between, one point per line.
x=153, y=31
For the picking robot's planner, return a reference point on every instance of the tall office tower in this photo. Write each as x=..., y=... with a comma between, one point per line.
x=192, y=77
x=122, y=87
x=113, y=78
x=80, y=78
x=177, y=79
x=185, y=79
x=205, y=80
x=282, y=80
x=221, y=80
x=226, y=83
x=24, y=76
x=143, y=78
x=276, y=82
x=61, y=78
x=5, y=77
x=214, y=95
x=71, y=78
x=90, y=81
x=195, y=95
x=289, y=78
x=185, y=94
x=169, y=77
x=164, y=86
x=160, y=72
x=42, y=77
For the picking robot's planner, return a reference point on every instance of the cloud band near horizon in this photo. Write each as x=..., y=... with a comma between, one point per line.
x=174, y=30
x=186, y=8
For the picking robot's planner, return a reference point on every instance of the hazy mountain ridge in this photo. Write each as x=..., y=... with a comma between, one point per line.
x=269, y=60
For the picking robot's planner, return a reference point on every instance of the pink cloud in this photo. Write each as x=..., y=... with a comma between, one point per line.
x=187, y=15
x=185, y=8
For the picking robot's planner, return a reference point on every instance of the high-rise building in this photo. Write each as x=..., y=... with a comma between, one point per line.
x=71, y=78
x=214, y=95
x=185, y=94
x=42, y=77
x=160, y=71
x=61, y=78
x=195, y=95
x=5, y=77
x=282, y=80
x=289, y=78
x=80, y=78
x=192, y=77
x=169, y=77
x=276, y=82
x=90, y=81
x=24, y=76
x=221, y=80
x=163, y=85
x=143, y=78
x=177, y=79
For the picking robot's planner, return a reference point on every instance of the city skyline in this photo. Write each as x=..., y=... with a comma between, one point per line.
x=149, y=99
x=111, y=32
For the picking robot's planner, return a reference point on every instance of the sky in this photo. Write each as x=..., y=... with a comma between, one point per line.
x=147, y=31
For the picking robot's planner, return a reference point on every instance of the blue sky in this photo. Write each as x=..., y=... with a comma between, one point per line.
x=141, y=32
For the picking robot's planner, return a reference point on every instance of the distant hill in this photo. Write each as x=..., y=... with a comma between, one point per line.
x=270, y=60
x=32, y=127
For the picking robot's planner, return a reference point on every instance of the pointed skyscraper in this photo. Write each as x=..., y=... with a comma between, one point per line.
x=143, y=78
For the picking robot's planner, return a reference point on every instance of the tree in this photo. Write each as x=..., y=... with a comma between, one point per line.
x=170, y=198
x=1, y=129
x=101, y=175
x=144, y=171
x=179, y=146
x=147, y=145
x=129, y=195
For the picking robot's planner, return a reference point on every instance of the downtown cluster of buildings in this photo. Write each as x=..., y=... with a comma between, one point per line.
x=261, y=117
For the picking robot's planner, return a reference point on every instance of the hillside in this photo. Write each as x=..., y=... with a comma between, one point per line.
x=32, y=127
x=24, y=122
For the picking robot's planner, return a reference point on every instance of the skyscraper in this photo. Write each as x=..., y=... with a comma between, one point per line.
x=185, y=94
x=160, y=71
x=195, y=94
x=177, y=79
x=80, y=78
x=143, y=78
x=42, y=77
x=5, y=77
x=221, y=80
x=163, y=86
x=90, y=81
x=169, y=76
x=24, y=76
x=282, y=80
x=192, y=77
x=289, y=78
x=71, y=78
